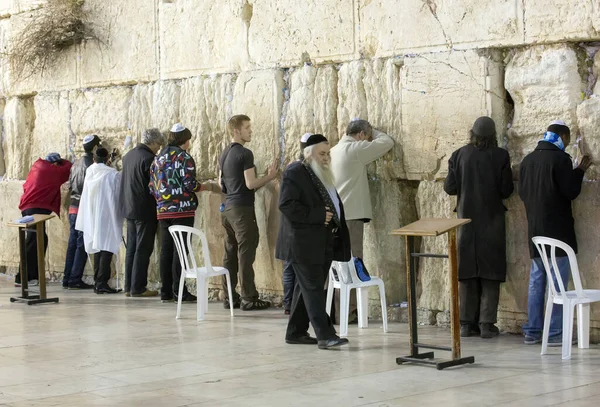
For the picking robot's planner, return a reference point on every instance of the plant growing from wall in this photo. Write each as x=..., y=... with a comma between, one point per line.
x=52, y=29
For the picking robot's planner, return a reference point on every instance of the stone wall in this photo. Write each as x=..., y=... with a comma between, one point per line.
x=420, y=70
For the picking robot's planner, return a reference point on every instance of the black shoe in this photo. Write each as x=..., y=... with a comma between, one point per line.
x=467, y=330
x=187, y=297
x=489, y=330
x=332, y=342
x=302, y=340
x=254, y=305
x=236, y=303
x=166, y=298
x=80, y=286
x=105, y=289
x=65, y=285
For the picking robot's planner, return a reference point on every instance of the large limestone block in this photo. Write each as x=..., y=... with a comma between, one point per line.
x=10, y=194
x=153, y=105
x=388, y=27
x=545, y=85
x=385, y=255
x=268, y=271
x=201, y=36
x=290, y=31
x=206, y=105
x=259, y=95
x=432, y=283
x=588, y=119
x=126, y=50
x=19, y=119
x=312, y=107
x=442, y=95
x=559, y=20
x=51, y=132
x=2, y=160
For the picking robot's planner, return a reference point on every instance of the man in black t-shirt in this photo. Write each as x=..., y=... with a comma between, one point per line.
x=239, y=181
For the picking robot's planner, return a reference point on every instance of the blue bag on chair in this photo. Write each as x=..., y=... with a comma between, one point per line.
x=361, y=269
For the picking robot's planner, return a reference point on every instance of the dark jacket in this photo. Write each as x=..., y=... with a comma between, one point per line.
x=481, y=179
x=303, y=236
x=41, y=190
x=78, y=176
x=136, y=200
x=173, y=183
x=547, y=185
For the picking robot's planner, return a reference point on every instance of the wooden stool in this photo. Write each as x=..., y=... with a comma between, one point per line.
x=432, y=227
x=39, y=221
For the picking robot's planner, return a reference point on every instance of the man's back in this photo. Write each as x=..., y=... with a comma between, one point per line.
x=234, y=160
x=137, y=201
x=42, y=187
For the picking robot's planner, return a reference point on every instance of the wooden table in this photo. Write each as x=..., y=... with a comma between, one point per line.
x=432, y=227
x=37, y=226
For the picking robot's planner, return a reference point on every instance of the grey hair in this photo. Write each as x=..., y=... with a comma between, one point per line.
x=358, y=125
x=153, y=136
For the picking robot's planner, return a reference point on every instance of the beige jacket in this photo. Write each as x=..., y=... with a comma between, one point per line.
x=349, y=160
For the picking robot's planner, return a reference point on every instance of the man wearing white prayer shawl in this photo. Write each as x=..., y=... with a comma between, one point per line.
x=100, y=218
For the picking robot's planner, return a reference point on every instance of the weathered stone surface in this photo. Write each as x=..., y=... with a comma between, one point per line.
x=259, y=95
x=545, y=85
x=388, y=28
x=588, y=119
x=19, y=119
x=278, y=32
x=220, y=44
x=206, y=105
x=126, y=48
x=442, y=95
x=312, y=107
x=51, y=131
x=563, y=20
x=10, y=192
x=2, y=160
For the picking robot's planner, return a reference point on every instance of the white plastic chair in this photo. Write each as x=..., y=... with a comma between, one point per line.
x=189, y=268
x=569, y=299
x=346, y=281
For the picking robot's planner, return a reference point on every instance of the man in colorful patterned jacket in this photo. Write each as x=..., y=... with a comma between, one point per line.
x=174, y=185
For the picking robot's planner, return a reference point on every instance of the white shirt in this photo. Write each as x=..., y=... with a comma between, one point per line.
x=349, y=160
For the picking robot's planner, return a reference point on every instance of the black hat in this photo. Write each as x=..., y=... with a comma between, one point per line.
x=484, y=126
x=316, y=139
x=101, y=155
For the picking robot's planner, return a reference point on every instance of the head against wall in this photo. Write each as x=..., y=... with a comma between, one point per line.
x=240, y=128
x=360, y=130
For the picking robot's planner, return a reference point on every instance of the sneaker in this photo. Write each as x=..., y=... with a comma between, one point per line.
x=33, y=283
x=80, y=286
x=146, y=293
x=556, y=341
x=254, y=305
x=236, y=304
x=532, y=340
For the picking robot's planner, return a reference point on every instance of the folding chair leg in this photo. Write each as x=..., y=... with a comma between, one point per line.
x=583, y=326
x=362, y=299
x=383, y=306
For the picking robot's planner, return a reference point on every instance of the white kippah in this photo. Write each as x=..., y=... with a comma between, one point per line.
x=559, y=122
x=88, y=138
x=305, y=137
x=177, y=127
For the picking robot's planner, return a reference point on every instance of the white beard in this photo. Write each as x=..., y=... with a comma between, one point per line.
x=324, y=173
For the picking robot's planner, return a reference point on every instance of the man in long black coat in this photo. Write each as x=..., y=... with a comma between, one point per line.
x=479, y=173
x=547, y=185
x=312, y=233
x=140, y=211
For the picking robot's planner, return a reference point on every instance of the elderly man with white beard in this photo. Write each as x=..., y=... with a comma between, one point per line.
x=312, y=233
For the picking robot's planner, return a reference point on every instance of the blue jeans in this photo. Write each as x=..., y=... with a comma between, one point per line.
x=289, y=279
x=537, y=298
x=76, y=255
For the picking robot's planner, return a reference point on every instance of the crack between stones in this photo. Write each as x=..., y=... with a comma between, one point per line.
x=432, y=6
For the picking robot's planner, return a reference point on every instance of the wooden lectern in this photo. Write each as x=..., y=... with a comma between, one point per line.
x=432, y=227
x=37, y=226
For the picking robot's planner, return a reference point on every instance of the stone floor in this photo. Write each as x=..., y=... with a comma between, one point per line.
x=92, y=350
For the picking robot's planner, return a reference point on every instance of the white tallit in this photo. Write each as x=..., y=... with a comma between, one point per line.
x=99, y=217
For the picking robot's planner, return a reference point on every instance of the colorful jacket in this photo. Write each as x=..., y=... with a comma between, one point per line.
x=173, y=183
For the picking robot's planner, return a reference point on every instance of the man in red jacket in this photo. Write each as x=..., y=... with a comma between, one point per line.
x=41, y=195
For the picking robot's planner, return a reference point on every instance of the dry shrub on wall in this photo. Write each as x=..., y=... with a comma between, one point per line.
x=56, y=26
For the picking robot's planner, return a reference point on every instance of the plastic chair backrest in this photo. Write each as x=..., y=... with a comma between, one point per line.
x=187, y=257
x=346, y=271
x=541, y=243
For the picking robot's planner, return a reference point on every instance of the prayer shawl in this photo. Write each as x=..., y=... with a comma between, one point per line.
x=324, y=194
x=100, y=218
x=555, y=139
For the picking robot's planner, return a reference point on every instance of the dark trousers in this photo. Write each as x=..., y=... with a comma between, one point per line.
x=309, y=300
x=140, y=245
x=31, y=244
x=170, y=267
x=241, y=241
x=478, y=300
x=76, y=255
x=102, y=261
x=289, y=280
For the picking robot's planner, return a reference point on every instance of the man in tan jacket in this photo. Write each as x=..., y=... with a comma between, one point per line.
x=349, y=159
